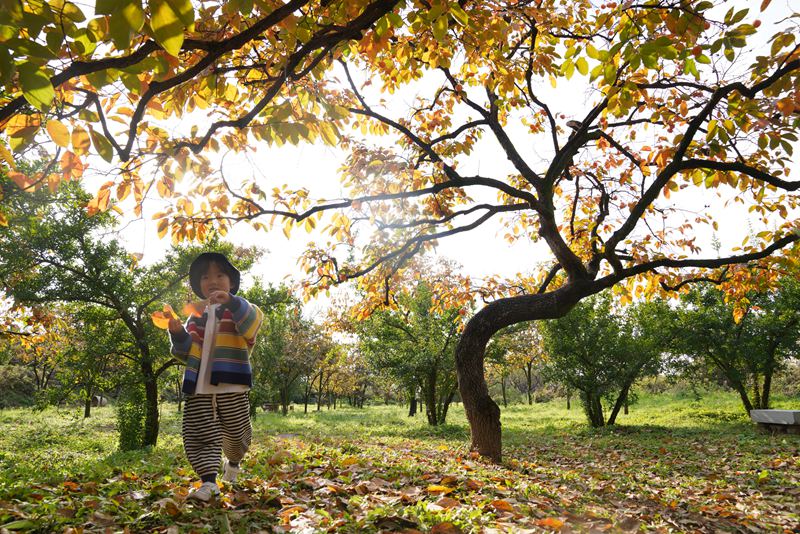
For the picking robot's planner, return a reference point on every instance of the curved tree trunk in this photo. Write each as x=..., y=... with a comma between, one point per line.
x=483, y=413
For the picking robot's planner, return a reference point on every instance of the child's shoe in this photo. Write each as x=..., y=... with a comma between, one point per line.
x=230, y=472
x=206, y=492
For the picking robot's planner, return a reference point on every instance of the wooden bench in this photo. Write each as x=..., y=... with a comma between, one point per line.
x=776, y=421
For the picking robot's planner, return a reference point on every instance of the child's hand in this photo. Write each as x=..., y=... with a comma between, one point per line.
x=175, y=326
x=219, y=297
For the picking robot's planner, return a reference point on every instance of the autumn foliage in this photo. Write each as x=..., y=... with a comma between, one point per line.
x=666, y=103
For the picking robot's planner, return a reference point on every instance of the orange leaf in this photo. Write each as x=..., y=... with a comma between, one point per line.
x=193, y=308
x=161, y=318
x=551, y=522
x=439, y=489
x=447, y=502
x=22, y=180
x=502, y=505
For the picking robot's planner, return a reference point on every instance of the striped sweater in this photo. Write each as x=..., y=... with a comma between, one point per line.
x=230, y=356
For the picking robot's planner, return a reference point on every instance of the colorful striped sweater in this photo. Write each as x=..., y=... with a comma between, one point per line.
x=238, y=325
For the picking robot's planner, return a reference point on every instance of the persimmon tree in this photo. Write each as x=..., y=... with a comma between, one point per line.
x=676, y=106
x=108, y=81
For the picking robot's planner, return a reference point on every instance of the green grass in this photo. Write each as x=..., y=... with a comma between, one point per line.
x=673, y=464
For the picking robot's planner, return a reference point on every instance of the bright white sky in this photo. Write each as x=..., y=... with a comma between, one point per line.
x=481, y=252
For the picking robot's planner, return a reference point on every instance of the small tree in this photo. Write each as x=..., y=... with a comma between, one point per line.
x=600, y=352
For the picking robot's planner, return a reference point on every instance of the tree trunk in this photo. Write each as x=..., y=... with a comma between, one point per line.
x=766, y=390
x=594, y=409
x=569, y=397
x=756, y=391
x=284, y=393
x=179, y=393
x=446, y=406
x=430, y=398
x=622, y=400
x=150, y=438
x=739, y=387
x=529, y=377
x=503, y=389
x=483, y=413
x=319, y=391
x=87, y=407
x=412, y=404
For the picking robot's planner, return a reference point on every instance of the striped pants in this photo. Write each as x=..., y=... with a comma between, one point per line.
x=213, y=424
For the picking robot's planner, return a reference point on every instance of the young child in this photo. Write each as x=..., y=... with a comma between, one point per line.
x=215, y=348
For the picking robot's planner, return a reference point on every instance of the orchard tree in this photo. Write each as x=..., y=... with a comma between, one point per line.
x=601, y=351
x=676, y=106
x=748, y=352
x=52, y=252
x=414, y=343
x=521, y=347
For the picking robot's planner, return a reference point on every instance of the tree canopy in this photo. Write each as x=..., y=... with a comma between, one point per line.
x=677, y=105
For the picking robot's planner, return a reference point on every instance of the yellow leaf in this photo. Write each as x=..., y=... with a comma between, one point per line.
x=3, y=220
x=58, y=133
x=21, y=125
x=436, y=489
x=163, y=224
x=7, y=156
x=167, y=26
x=80, y=140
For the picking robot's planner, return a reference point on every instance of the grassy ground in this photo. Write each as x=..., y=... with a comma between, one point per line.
x=672, y=465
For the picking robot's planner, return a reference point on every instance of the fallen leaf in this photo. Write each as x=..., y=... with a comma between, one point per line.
x=551, y=522
x=503, y=506
x=447, y=502
x=445, y=528
x=436, y=489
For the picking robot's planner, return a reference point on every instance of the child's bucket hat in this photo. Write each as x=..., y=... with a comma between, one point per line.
x=200, y=266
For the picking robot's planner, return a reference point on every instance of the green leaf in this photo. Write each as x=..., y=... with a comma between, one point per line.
x=102, y=145
x=459, y=14
x=120, y=32
x=21, y=524
x=440, y=28
x=167, y=26
x=133, y=15
x=105, y=7
x=25, y=47
x=36, y=86
x=184, y=11
x=69, y=10
x=96, y=29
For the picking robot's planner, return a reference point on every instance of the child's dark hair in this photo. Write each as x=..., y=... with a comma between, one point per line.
x=201, y=265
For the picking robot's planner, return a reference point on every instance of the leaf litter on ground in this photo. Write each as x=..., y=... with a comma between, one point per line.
x=641, y=479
